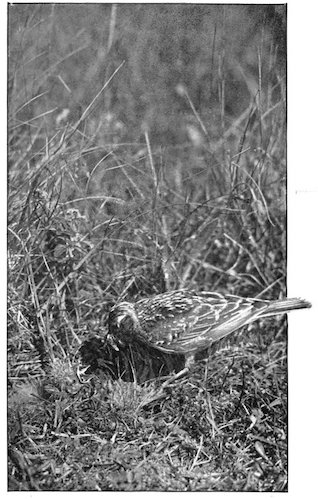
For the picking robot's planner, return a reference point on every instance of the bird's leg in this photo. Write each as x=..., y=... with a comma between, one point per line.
x=181, y=373
x=161, y=393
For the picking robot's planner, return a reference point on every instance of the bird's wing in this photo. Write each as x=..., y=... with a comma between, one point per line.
x=205, y=323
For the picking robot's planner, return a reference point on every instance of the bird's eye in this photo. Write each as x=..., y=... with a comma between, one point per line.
x=120, y=318
x=125, y=321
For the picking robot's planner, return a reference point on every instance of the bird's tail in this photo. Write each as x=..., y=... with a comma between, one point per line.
x=282, y=306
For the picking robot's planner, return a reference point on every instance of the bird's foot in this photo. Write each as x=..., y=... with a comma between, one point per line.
x=162, y=393
x=177, y=376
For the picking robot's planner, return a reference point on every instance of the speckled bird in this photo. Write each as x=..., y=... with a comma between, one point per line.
x=187, y=322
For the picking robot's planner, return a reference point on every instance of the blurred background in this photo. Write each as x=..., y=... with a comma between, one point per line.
x=212, y=53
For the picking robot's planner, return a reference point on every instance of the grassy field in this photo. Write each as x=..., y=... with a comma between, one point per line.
x=147, y=152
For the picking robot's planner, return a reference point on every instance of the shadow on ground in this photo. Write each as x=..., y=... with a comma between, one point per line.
x=134, y=363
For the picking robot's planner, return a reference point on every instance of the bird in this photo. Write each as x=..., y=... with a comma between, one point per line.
x=187, y=322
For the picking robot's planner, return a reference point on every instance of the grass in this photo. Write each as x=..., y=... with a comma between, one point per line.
x=113, y=196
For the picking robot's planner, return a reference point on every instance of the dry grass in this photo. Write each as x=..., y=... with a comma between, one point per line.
x=97, y=215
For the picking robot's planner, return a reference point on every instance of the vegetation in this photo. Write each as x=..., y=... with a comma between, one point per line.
x=146, y=153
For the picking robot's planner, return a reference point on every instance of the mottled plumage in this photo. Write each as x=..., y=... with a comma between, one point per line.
x=186, y=322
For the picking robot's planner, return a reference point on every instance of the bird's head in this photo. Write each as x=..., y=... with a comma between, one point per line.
x=122, y=324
